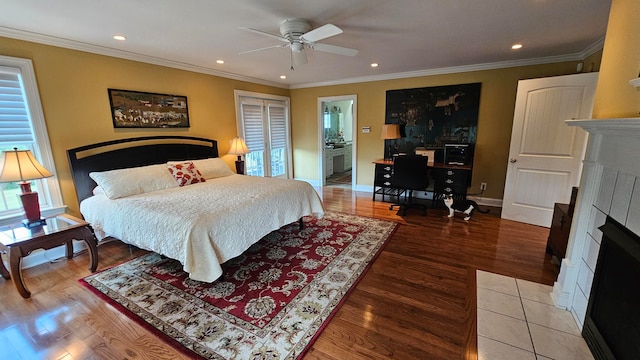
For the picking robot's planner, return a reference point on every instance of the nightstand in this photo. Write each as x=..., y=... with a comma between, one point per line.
x=59, y=230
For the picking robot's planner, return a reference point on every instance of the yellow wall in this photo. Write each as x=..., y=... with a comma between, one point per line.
x=497, y=102
x=615, y=97
x=73, y=91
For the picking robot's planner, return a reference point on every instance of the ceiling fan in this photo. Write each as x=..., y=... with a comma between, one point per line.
x=297, y=35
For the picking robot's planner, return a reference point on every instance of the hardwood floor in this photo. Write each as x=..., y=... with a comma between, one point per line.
x=417, y=301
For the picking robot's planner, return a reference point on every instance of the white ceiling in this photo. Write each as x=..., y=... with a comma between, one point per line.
x=406, y=37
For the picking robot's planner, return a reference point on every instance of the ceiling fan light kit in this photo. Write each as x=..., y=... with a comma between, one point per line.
x=298, y=35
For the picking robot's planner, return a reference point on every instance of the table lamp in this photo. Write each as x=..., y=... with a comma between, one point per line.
x=238, y=147
x=21, y=166
x=390, y=132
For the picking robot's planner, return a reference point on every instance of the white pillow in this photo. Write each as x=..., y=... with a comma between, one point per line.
x=210, y=168
x=132, y=181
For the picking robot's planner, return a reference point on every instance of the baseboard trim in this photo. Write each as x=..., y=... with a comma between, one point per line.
x=486, y=201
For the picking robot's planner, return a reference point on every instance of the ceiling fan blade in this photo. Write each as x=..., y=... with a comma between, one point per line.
x=299, y=57
x=264, y=48
x=320, y=33
x=264, y=33
x=334, y=49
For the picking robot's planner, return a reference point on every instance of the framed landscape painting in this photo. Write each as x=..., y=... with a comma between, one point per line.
x=137, y=109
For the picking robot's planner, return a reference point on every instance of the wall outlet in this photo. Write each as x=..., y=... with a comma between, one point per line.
x=483, y=186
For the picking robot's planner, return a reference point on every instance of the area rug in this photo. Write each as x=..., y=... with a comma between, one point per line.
x=271, y=302
x=340, y=178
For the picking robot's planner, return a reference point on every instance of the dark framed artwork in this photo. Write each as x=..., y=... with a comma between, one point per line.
x=137, y=109
x=431, y=117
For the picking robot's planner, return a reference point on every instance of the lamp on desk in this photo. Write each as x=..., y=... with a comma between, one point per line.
x=20, y=165
x=238, y=147
x=390, y=132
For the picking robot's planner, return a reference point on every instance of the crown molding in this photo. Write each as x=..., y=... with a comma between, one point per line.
x=101, y=50
x=447, y=70
x=592, y=49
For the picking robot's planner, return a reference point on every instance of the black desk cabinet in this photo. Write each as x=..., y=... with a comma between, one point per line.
x=382, y=181
x=450, y=181
x=446, y=179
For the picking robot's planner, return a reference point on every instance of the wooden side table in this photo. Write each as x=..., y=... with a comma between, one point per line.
x=20, y=241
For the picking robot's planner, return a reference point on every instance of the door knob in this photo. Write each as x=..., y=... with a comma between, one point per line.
x=513, y=160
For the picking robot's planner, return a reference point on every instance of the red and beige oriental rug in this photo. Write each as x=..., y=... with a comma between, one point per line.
x=272, y=301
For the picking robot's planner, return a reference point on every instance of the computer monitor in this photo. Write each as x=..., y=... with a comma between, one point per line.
x=456, y=154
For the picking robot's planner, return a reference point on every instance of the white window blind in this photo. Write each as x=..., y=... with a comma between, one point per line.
x=277, y=126
x=22, y=125
x=263, y=122
x=15, y=126
x=253, y=125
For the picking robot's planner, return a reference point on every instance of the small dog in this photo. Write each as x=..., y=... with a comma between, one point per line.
x=467, y=207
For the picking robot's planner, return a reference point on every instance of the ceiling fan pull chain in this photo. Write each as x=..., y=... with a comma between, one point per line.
x=291, y=56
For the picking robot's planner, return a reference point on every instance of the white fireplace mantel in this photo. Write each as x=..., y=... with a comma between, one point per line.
x=611, y=169
x=616, y=127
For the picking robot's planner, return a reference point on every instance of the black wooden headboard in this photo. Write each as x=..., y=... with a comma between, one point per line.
x=133, y=152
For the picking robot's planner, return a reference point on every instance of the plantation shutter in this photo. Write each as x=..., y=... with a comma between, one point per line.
x=253, y=125
x=277, y=126
x=263, y=122
x=15, y=125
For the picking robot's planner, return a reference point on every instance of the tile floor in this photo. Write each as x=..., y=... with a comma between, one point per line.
x=517, y=320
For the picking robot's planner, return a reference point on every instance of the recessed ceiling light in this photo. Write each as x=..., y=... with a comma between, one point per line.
x=283, y=77
x=516, y=46
x=119, y=37
x=374, y=64
x=220, y=61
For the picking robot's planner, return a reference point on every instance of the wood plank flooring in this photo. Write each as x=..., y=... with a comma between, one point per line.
x=417, y=301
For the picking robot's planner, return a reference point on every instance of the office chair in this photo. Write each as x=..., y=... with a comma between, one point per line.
x=410, y=172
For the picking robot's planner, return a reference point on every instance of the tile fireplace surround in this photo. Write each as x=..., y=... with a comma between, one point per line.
x=611, y=169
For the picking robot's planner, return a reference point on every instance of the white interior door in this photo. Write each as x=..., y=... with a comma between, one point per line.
x=545, y=156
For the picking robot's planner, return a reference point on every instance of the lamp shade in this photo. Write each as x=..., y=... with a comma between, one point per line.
x=21, y=165
x=390, y=131
x=238, y=147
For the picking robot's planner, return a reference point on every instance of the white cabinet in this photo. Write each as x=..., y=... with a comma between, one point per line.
x=328, y=162
x=338, y=160
x=348, y=153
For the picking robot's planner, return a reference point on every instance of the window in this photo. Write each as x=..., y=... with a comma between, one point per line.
x=22, y=125
x=263, y=122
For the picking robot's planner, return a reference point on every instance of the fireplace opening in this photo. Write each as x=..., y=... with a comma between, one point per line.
x=612, y=323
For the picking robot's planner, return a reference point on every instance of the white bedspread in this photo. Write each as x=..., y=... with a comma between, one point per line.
x=203, y=225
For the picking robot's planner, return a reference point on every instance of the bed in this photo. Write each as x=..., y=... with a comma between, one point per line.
x=134, y=190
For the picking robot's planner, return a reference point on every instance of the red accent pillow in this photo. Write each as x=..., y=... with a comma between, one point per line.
x=185, y=173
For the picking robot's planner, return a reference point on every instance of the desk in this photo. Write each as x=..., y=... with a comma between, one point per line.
x=382, y=180
x=450, y=179
x=447, y=179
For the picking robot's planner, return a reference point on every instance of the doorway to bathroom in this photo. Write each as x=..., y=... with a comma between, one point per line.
x=337, y=142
